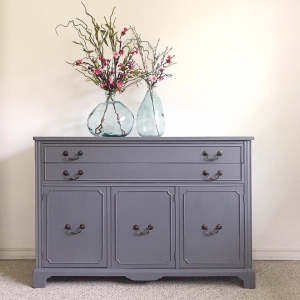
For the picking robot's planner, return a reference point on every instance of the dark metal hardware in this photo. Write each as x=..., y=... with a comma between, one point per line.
x=68, y=226
x=66, y=153
x=147, y=230
x=78, y=230
x=216, y=156
x=206, y=173
x=79, y=173
x=215, y=230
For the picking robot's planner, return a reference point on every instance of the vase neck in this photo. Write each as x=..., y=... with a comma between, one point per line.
x=110, y=96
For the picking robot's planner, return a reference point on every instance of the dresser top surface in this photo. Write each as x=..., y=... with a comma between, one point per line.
x=142, y=139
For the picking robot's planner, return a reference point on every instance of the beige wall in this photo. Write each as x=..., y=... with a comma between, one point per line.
x=237, y=73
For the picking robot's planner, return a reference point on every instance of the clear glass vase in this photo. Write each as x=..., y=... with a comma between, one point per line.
x=150, y=117
x=110, y=118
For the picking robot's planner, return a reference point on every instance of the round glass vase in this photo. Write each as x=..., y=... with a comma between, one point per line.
x=110, y=118
x=150, y=119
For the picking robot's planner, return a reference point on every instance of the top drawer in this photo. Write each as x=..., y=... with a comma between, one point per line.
x=204, y=153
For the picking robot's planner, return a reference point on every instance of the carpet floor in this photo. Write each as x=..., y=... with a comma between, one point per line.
x=278, y=280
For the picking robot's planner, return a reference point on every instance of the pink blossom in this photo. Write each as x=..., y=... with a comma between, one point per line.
x=161, y=69
x=110, y=80
x=168, y=60
x=116, y=54
x=123, y=32
x=137, y=51
x=97, y=71
x=103, y=85
x=121, y=52
x=153, y=78
x=78, y=62
x=161, y=78
x=119, y=84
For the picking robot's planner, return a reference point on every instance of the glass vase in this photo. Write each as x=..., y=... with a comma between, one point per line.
x=150, y=117
x=110, y=118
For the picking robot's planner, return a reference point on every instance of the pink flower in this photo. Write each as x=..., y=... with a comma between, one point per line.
x=103, y=85
x=119, y=84
x=97, y=71
x=78, y=62
x=110, y=80
x=168, y=60
x=161, y=69
x=123, y=32
x=116, y=54
x=153, y=78
x=121, y=52
x=161, y=78
x=137, y=51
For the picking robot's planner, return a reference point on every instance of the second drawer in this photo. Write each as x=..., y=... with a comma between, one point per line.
x=143, y=171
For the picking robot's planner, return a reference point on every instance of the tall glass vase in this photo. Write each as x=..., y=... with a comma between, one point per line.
x=150, y=117
x=110, y=118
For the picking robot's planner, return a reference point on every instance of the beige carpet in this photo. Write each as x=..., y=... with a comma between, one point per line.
x=279, y=280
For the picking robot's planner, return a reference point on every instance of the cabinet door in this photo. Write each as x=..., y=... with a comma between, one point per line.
x=203, y=211
x=144, y=227
x=65, y=244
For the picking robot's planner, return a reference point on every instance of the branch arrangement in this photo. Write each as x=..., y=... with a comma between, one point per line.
x=114, y=72
x=118, y=70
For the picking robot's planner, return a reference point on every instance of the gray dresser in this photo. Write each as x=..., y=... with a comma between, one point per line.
x=143, y=208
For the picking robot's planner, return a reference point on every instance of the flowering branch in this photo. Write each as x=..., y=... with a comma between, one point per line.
x=111, y=74
x=154, y=64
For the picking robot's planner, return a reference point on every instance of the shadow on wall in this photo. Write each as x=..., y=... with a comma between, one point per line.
x=17, y=217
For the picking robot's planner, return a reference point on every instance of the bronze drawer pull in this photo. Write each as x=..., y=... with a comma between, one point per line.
x=219, y=173
x=66, y=153
x=216, y=156
x=215, y=230
x=147, y=230
x=79, y=173
x=78, y=230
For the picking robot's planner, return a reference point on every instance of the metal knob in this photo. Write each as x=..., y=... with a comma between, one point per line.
x=65, y=153
x=204, y=227
x=66, y=172
x=82, y=226
x=150, y=227
x=80, y=172
x=219, y=227
x=68, y=226
x=220, y=153
x=205, y=173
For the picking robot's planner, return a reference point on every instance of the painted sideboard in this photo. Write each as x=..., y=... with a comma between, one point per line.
x=143, y=208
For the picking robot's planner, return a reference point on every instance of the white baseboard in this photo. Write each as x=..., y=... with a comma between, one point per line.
x=276, y=254
x=17, y=253
x=258, y=254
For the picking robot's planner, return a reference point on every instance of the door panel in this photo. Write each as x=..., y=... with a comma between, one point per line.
x=144, y=248
x=212, y=248
x=74, y=247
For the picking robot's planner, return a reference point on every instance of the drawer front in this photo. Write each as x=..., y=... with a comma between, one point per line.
x=144, y=227
x=74, y=247
x=212, y=227
x=144, y=153
x=142, y=171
